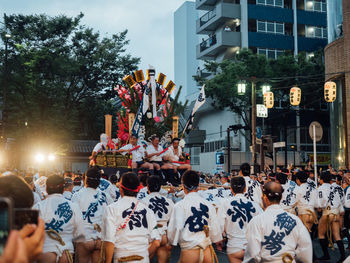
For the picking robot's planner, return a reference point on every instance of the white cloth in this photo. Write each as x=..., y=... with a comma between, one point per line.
x=40, y=187
x=172, y=156
x=106, y=187
x=275, y=232
x=328, y=197
x=92, y=203
x=340, y=191
x=65, y=218
x=253, y=191
x=306, y=198
x=212, y=196
x=37, y=198
x=188, y=219
x=138, y=232
x=288, y=197
x=99, y=148
x=142, y=193
x=76, y=189
x=347, y=198
x=234, y=216
x=68, y=195
x=151, y=150
x=137, y=155
x=114, y=192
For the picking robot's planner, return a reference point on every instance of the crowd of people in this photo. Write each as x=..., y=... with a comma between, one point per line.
x=97, y=217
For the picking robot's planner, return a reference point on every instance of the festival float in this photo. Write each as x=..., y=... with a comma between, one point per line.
x=147, y=109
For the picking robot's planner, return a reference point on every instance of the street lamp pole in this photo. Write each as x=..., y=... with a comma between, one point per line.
x=4, y=91
x=253, y=121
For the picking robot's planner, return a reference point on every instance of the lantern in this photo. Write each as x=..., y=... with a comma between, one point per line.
x=241, y=88
x=170, y=86
x=139, y=76
x=161, y=79
x=330, y=91
x=129, y=81
x=266, y=88
x=295, y=96
x=268, y=100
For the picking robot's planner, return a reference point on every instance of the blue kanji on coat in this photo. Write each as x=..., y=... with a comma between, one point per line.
x=274, y=242
x=241, y=212
x=286, y=222
x=104, y=184
x=159, y=206
x=210, y=198
x=250, y=192
x=138, y=218
x=90, y=212
x=199, y=218
x=64, y=211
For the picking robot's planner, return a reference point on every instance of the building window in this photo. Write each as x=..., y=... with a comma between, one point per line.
x=277, y=3
x=316, y=32
x=270, y=27
x=316, y=5
x=194, y=158
x=270, y=53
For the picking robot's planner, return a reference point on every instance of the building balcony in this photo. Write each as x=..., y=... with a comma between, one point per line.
x=221, y=13
x=205, y=4
x=273, y=41
x=218, y=43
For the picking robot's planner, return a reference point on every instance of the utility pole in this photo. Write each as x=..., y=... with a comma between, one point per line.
x=253, y=120
x=4, y=90
x=228, y=151
x=262, y=155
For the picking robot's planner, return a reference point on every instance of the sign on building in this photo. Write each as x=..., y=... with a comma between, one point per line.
x=261, y=111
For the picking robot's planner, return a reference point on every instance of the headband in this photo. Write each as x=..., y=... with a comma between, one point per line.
x=139, y=187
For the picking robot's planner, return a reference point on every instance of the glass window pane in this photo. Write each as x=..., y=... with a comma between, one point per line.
x=271, y=54
x=279, y=3
x=262, y=2
x=318, y=32
x=262, y=51
x=280, y=53
x=317, y=6
x=324, y=30
x=261, y=26
x=270, y=27
x=270, y=2
x=324, y=7
x=279, y=28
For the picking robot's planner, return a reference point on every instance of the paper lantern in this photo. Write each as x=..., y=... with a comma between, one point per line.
x=129, y=81
x=268, y=100
x=161, y=79
x=295, y=96
x=330, y=91
x=139, y=76
x=170, y=86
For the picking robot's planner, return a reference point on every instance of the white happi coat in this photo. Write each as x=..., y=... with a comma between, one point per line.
x=306, y=198
x=142, y=193
x=289, y=197
x=275, y=232
x=65, y=218
x=170, y=153
x=37, y=198
x=253, y=191
x=40, y=187
x=92, y=203
x=151, y=149
x=340, y=191
x=105, y=186
x=347, y=198
x=76, y=189
x=68, y=195
x=211, y=195
x=162, y=208
x=138, y=232
x=114, y=192
x=328, y=198
x=137, y=155
x=188, y=220
x=234, y=216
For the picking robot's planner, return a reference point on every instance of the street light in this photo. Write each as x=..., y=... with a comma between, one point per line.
x=241, y=88
x=266, y=88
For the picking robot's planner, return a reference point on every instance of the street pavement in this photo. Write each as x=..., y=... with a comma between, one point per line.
x=334, y=253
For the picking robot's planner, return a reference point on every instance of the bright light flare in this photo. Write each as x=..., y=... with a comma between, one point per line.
x=39, y=157
x=51, y=157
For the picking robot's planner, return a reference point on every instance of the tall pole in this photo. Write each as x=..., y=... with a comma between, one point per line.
x=4, y=95
x=253, y=121
x=228, y=151
x=315, y=153
x=262, y=155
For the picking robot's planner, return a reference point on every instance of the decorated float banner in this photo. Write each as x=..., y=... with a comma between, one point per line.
x=322, y=158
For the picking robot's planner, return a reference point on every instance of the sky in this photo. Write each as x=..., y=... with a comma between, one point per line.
x=150, y=23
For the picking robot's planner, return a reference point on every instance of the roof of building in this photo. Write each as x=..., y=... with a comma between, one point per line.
x=82, y=146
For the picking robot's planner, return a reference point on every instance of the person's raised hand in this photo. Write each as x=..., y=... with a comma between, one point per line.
x=15, y=249
x=33, y=237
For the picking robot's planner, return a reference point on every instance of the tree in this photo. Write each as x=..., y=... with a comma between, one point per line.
x=61, y=77
x=282, y=74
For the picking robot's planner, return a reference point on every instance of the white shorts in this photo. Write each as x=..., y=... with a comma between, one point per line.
x=232, y=250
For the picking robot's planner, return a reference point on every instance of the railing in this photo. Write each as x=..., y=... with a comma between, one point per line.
x=207, y=17
x=208, y=43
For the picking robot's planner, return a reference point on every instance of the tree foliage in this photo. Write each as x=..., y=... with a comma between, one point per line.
x=61, y=76
x=282, y=74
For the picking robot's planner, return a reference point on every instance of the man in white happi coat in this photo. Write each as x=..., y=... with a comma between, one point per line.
x=154, y=152
x=68, y=187
x=193, y=224
x=174, y=155
x=329, y=202
x=63, y=223
x=276, y=235
x=235, y=214
x=288, y=197
x=99, y=147
x=162, y=208
x=130, y=232
x=138, y=154
x=253, y=188
x=92, y=203
x=40, y=185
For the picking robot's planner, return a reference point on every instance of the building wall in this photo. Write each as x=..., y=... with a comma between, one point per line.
x=185, y=41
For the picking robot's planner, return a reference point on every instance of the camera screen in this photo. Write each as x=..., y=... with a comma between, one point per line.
x=4, y=225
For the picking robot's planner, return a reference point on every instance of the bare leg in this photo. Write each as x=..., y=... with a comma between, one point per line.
x=193, y=255
x=64, y=258
x=236, y=257
x=163, y=252
x=47, y=258
x=322, y=227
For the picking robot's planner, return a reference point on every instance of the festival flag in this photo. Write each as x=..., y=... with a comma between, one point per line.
x=199, y=102
x=152, y=80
